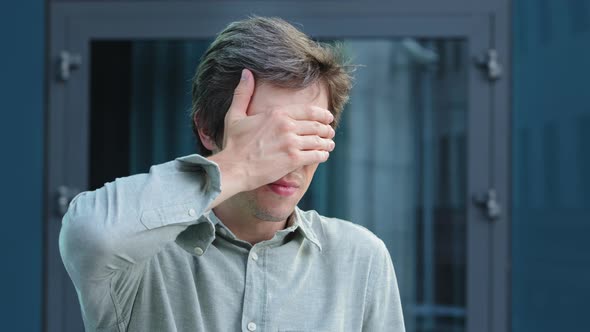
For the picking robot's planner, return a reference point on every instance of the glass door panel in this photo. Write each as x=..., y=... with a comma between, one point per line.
x=399, y=168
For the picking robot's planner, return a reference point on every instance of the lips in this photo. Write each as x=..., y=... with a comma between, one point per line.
x=285, y=183
x=284, y=188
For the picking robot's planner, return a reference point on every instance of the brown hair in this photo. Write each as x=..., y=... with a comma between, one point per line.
x=276, y=53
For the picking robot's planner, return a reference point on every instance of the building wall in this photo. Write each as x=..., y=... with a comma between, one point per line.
x=551, y=165
x=22, y=28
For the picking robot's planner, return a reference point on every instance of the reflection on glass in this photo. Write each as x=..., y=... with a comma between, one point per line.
x=399, y=168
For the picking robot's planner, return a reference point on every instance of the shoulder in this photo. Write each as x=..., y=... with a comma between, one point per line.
x=344, y=236
x=123, y=188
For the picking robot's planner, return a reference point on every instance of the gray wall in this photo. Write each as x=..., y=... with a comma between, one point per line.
x=21, y=165
x=551, y=165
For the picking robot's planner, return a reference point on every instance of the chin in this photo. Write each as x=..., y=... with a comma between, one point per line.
x=268, y=206
x=273, y=213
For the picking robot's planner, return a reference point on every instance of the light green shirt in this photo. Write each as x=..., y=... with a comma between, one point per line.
x=144, y=255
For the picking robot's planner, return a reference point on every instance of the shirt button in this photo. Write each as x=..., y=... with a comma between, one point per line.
x=251, y=326
x=198, y=251
x=254, y=256
x=192, y=212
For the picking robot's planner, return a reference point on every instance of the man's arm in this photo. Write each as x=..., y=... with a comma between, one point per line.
x=108, y=234
x=383, y=308
x=130, y=219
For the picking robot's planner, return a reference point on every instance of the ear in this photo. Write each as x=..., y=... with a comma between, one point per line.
x=208, y=141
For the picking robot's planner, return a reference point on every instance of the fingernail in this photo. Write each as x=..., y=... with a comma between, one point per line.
x=331, y=117
x=244, y=75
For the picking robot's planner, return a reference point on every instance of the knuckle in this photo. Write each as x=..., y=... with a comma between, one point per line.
x=319, y=141
x=293, y=154
x=318, y=127
x=319, y=156
x=292, y=143
x=286, y=125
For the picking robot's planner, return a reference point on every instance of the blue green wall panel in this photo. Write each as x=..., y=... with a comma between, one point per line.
x=551, y=165
x=22, y=29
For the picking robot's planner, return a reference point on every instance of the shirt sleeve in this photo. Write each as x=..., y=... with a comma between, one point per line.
x=108, y=233
x=383, y=307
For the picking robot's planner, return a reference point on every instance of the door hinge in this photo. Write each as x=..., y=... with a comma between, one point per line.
x=488, y=204
x=490, y=65
x=66, y=63
x=64, y=196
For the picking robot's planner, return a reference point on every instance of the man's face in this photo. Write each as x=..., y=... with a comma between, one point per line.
x=275, y=202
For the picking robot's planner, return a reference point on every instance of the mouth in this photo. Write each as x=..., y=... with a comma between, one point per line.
x=284, y=188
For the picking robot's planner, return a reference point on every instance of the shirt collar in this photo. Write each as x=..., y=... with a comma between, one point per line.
x=304, y=225
x=300, y=223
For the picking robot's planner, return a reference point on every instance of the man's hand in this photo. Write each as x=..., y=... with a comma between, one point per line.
x=260, y=149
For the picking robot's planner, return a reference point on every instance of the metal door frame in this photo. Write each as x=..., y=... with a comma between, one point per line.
x=74, y=25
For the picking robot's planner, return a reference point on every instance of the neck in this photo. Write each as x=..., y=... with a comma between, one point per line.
x=245, y=226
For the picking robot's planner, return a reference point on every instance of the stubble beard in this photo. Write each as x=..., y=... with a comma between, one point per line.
x=262, y=213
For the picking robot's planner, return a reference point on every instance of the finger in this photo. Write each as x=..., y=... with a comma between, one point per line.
x=316, y=143
x=313, y=157
x=242, y=95
x=304, y=127
x=311, y=113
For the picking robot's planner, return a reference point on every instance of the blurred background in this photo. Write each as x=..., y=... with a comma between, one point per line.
x=465, y=145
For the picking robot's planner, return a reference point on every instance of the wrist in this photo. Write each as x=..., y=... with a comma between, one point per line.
x=233, y=174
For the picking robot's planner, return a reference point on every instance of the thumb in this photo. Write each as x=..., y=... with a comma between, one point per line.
x=242, y=95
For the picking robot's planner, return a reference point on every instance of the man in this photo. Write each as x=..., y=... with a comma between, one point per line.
x=216, y=242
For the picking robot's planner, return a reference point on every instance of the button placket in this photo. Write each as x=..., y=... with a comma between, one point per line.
x=255, y=292
x=254, y=256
